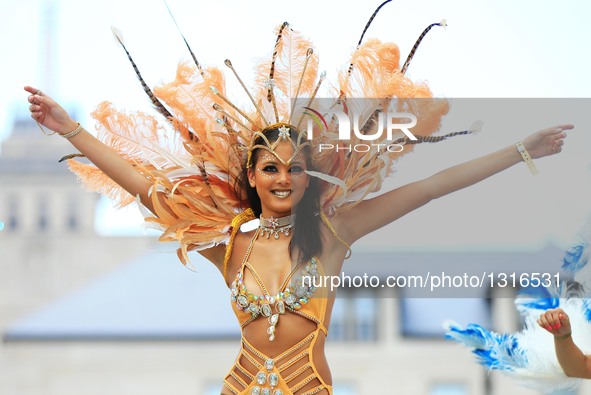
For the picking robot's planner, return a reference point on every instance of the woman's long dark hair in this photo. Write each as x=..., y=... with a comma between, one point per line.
x=306, y=231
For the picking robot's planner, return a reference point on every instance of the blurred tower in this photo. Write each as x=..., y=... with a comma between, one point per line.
x=49, y=48
x=49, y=245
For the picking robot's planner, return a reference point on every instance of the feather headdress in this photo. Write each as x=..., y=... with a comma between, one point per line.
x=195, y=150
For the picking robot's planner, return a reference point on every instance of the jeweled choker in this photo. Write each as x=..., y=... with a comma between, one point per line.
x=274, y=226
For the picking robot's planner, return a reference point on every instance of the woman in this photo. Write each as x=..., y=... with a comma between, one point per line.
x=283, y=340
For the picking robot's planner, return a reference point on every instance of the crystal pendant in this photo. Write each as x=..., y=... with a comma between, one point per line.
x=261, y=378
x=242, y=301
x=273, y=379
x=255, y=390
x=269, y=364
x=291, y=299
x=300, y=291
x=266, y=391
x=266, y=310
x=271, y=330
x=277, y=392
x=280, y=307
x=254, y=309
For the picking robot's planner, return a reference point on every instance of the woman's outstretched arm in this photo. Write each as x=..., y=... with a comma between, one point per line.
x=49, y=113
x=571, y=358
x=374, y=213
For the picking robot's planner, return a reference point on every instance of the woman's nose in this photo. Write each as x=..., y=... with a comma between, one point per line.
x=284, y=177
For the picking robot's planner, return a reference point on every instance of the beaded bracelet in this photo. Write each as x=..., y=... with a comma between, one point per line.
x=73, y=132
x=526, y=158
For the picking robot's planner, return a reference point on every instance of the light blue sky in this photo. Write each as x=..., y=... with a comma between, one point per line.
x=505, y=48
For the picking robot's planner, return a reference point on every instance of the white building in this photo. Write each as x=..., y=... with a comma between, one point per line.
x=88, y=314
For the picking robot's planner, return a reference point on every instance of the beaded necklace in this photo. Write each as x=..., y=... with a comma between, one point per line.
x=274, y=226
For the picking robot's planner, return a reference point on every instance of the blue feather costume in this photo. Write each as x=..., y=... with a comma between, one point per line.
x=528, y=356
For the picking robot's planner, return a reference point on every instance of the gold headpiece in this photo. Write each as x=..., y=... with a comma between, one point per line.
x=285, y=131
x=291, y=73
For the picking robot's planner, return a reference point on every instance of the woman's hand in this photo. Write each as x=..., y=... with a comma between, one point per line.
x=547, y=141
x=48, y=112
x=556, y=322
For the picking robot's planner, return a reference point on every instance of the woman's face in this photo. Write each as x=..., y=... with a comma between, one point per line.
x=280, y=187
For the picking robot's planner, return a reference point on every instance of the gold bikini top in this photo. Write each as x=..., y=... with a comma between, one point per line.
x=294, y=295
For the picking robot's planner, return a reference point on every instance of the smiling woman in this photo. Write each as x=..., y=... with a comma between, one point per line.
x=208, y=166
x=278, y=174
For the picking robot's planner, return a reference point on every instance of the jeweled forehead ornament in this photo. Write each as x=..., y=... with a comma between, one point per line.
x=285, y=131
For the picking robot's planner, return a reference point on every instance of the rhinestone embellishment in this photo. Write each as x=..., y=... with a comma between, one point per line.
x=284, y=132
x=261, y=378
x=269, y=364
x=296, y=294
x=273, y=379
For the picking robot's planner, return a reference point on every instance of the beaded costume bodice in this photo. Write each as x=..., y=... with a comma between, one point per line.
x=292, y=371
x=294, y=295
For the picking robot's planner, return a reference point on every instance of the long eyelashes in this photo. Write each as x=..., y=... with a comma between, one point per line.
x=297, y=171
x=266, y=173
x=272, y=171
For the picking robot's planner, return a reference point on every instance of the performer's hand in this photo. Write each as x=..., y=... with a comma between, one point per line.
x=555, y=321
x=547, y=141
x=48, y=112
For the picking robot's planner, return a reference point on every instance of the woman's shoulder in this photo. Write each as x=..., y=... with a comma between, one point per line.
x=335, y=225
x=236, y=249
x=243, y=237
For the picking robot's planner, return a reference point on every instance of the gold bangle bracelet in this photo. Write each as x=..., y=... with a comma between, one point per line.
x=73, y=132
x=526, y=158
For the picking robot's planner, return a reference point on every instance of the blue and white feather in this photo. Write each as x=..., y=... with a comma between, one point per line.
x=528, y=356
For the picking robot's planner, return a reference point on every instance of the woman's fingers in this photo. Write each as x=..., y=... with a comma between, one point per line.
x=560, y=128
x=31, y=89
x=557, y=142
x=556, y=131
x=36, y=99
x=556, y=324
x=36, y=95
x=553, y=320
x=543, y=322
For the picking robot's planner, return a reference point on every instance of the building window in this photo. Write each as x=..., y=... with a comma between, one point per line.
x=72, y=212
x=354, y=316
x=42, y=214
x=424, y=317
x=13, y=218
